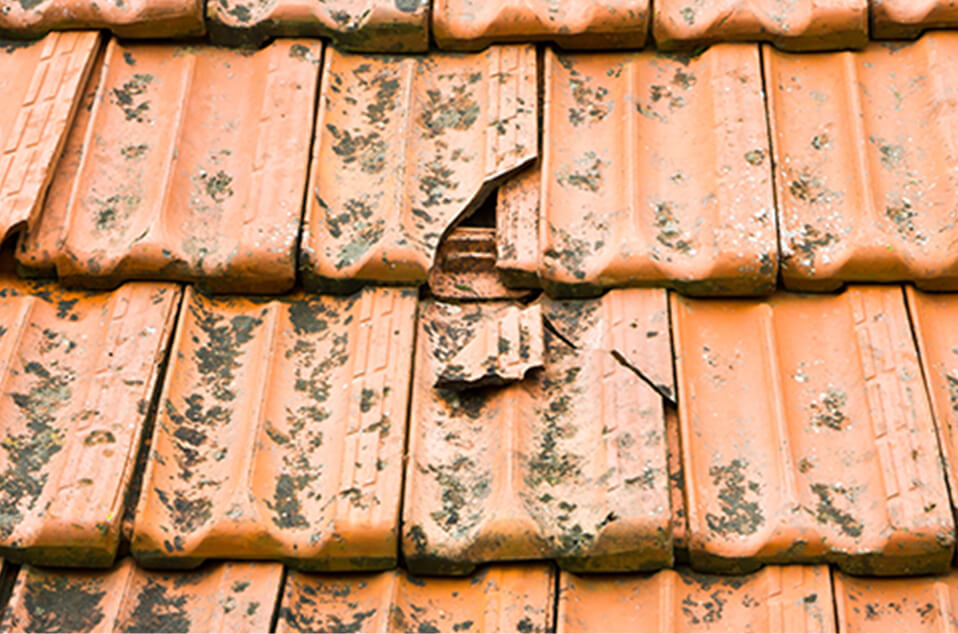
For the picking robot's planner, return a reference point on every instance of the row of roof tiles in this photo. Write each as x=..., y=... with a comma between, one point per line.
x=406, y=25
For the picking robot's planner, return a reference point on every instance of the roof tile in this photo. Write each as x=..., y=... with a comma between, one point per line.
x=466, y=270
x=680, y=524
x=280, y=432
x=507, y=598
x=568, y=464
x=405, y=148
x=907, y=18
x=126, y=18
x=517, y=229
x=77, y=375
x=922, y=604
x=831, y=452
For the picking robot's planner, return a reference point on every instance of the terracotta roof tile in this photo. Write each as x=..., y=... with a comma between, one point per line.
x=568, y=464
x=507, y=598
x=280, y=432
x=42, y=83
x=405, y=148
x=808, y=435
x=77, y=374
x=178, y=172
x=465, y=268
x=775, y=599
x=668, y=181
x=517, y=229
x=368, y=25
x=226, y=597
x=908, y=18
x=126, y=18
x=861, y=145
x=680, y=523
x=800, y=26
x=474, y=24
x=922, y=604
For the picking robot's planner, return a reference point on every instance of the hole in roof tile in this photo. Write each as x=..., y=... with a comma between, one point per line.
x=485, y=214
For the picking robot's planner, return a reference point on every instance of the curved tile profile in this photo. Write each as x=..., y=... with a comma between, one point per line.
x=405, y=148
x=225, y=597
x=280, y=432
x=669, y=180
x=126, y=18
x=798, y=26
x=922, y=604
x=775, y=599
x=808, y=435
x=899, y=19
x=471, y=25
x=77, y=376
x=504, y=598
x=567, y=464
x=194, y=168
x=42, y=84
x=376, y=26
x=864, y=149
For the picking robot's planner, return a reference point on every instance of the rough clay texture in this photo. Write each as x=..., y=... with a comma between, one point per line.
x=126, y=18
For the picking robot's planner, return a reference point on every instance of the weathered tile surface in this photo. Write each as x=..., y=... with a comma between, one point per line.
x=864, y=148
x=920, y=604
x=42, y=84
x=798, y=26
x=517, y=229
x=280, y=432
x=466, y=270
x=775, y=599
x=126, y=18
x=391, y=26
x=225, y=597
x=504, y=598
x=194, y=168
x=808, y=435
x=569, y=463
x=668, y=181
x=680, y=524
x=405, y=148
x=907, y=18
x=474, y=24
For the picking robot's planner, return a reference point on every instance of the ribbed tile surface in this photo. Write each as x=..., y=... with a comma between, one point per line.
x=921, y=604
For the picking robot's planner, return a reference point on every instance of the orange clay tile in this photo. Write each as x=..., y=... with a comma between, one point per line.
x=775, y=599
x=482, y=344
x=569, y=463
x=77, y=375
x=896, y=19
x=922, y=604
x=799, y=26
x=865, y=182
x=42, y=84
x=280, y=432
x=359, y=25
x=180, y=179
x=474, y=24
x=808, y=436
x=505, y=598
x=668, y=181
x=405, y=148
x=517, y=229
x=680, y=526
x=466, y=270
x=226, y=597
x=126, y=18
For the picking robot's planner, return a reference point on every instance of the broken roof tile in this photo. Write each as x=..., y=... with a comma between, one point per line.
x=225, y=597
x=569, y=463
x=384, y=26
x=774, y=599
x=466, y=269
x=797, y=26
x=919, y=604
x=517, y=229
x=42, y=84
x=474, y=24
x=898, y=19
x=505, y=598
x=181, y=180
x=862, y=148
x=405, y=148
x=668, y=182
x=127, y=18
x=280, y=432
x=808, y=436
x=680, y=528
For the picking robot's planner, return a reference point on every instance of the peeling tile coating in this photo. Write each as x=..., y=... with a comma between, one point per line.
x=180, y=179
x=77, y=374
x=405, y=148
x=42, y=84
x=280, y=432
x=225, y=597
x=923, y=604
x=669, y=180
x=505, y=598
x=808, y=436
x=517, y=229
x=898, y=19
x=798, y=26
x=466, y=269
x=391, y=26
x=582, y=24
x=126, y=18
x=775, y=599
x=568, y=464
x=864, y=151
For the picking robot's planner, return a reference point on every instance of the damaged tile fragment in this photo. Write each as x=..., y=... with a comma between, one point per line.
x=900, y=19
x=154, y=19
x=280, y=432
x=465, y=268
x=919, y=604
x=517, y=229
